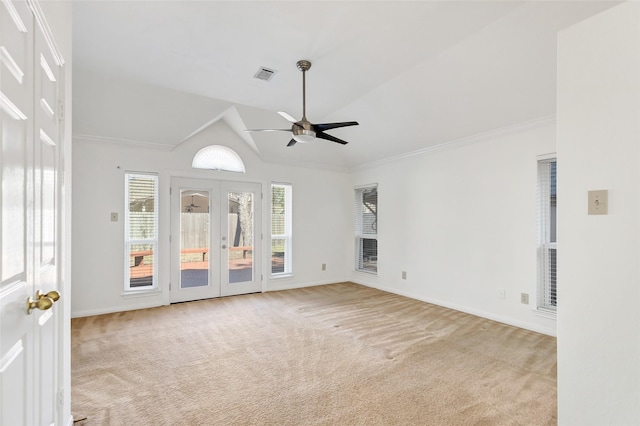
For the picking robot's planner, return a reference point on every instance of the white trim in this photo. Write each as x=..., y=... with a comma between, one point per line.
x=11, y=356
x=280, y=276
x=46, y=32
x=543, y=313
x=46, y=68
x=10, y=108
x=472, y=311
x=12, y=66
x=118, y=141
x=128, y=294
x=44, y=137
x=46, y=107
x=115, y=309
x=467, y=140
x=549, y=156
x=15, y=16
x=307, y=284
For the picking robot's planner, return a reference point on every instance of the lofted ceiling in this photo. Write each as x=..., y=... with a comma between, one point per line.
x=414, y=74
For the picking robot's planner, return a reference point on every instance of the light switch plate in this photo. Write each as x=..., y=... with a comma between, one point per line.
x=598, y=202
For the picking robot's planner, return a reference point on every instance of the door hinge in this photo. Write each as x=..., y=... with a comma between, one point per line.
x=169, y=286
x=61, y=110
x=60, y=397
x=261, y=277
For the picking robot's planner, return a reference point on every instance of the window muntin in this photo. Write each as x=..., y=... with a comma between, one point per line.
x=281, y=228
x=547, y=242
x=366, y=227
x=141, y=231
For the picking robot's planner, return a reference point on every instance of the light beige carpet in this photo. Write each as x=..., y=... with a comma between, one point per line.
x=339, y=354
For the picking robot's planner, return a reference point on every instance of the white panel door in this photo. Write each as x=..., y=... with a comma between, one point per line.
x=30, y=131
x=16, y=269
x=46, y=190
x=215, y=238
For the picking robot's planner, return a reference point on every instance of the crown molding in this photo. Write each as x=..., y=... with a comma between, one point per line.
x=117, y=141
x=467, y=140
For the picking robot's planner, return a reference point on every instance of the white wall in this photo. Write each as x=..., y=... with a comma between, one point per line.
x=461, y=221
x=321, y=208
x=599, y=273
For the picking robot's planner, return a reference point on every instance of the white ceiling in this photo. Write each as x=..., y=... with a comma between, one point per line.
x=413, y=74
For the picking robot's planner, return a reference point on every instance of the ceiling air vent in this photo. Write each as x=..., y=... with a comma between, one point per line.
x=264, y=74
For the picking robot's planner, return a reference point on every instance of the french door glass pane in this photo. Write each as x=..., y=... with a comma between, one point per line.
x=194, y=238
x=240, y=237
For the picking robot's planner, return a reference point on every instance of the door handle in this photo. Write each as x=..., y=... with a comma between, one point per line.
x=42, y=301
x=224, y=246
x=53, y=295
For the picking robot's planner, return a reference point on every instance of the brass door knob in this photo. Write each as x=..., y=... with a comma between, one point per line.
x=43, y=303
x=53, y=295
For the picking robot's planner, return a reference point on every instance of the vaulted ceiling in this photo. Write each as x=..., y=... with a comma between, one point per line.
x=413, y=74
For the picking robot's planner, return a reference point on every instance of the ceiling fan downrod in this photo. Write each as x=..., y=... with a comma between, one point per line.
x=304, y=66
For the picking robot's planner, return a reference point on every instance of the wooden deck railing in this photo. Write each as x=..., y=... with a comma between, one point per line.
x=139, y=255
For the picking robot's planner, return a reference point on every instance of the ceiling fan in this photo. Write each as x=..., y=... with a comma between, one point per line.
x=304, y=131
x=192, y=206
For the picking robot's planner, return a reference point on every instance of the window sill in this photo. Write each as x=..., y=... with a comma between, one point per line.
x=545, y=314
x=366, y=272
x=141, y=293
x=280, y=276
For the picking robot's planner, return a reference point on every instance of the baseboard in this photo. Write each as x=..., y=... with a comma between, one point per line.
x=114, y=309
x=468, y=310
x=312, y=284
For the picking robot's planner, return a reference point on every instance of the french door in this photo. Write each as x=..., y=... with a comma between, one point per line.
x=215, y=238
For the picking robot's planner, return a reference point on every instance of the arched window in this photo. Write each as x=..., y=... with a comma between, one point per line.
x=218, y=157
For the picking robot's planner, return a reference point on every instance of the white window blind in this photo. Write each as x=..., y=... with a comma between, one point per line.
x=366, y=227
x=547, y=242
x=281, y=229
x=141, y=231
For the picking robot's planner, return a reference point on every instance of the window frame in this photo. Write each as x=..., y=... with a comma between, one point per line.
x=129, y=242
x=287, y=236
x=547, y=244
x=360, y=235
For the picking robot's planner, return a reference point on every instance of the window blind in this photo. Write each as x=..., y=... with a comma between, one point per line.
x=281, y=229
x=141, y=231
x=547, y=231
x=366, y=228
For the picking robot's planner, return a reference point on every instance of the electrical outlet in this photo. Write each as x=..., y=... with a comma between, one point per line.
x=324, y=266
x=502, y=293
x=404, y=275
x=114, y=216
x=524, y=298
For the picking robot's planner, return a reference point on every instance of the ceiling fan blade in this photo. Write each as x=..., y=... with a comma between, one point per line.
x=267, y=130
x=292, y=142
x=287, y=117
x=327, y=126
x=330, y=138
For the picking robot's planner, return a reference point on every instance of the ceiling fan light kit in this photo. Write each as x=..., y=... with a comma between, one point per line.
x=304, y=131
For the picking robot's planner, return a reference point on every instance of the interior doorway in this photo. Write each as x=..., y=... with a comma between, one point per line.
x=215, y=238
